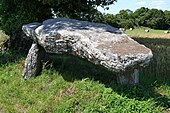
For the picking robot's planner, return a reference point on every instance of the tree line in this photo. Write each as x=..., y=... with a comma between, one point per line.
x=142, y=17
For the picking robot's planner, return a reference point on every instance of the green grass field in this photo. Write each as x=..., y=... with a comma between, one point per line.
x=140, y=32
x=73, y=85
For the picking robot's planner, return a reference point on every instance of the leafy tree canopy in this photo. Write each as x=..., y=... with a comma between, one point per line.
x=153, y=18
x=14, y=13
x=78, y=9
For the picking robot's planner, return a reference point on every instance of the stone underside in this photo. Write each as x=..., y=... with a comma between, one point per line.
x=98, y=43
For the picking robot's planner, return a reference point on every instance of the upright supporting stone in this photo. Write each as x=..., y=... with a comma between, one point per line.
x=33, y=64
x=129, y=77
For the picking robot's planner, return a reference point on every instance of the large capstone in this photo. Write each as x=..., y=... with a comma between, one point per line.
x=98, y=43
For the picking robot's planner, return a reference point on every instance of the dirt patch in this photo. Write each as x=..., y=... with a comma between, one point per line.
x=68, y=91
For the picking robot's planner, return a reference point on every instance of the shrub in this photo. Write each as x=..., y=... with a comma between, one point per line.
x=15, y=13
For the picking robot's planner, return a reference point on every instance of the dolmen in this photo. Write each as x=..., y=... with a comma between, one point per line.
x=98, y=43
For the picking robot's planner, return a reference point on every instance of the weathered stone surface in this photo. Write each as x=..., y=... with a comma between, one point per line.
x=98, y=43
x=128, y=77
x=30, y=30
x=32, y=62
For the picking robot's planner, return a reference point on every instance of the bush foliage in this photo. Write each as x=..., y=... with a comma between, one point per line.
x=15, y=13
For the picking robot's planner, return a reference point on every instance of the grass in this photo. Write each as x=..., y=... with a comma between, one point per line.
x=72, y=85
x=140, y=33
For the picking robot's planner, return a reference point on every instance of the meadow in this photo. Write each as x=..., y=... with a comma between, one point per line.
x=73, y=85
x=140, y=33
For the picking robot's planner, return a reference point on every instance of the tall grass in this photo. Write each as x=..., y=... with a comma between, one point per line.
x=160, y=65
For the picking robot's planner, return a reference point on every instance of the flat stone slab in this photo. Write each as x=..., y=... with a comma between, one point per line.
x=98, y=43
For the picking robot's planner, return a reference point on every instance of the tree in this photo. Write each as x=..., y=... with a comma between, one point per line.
x=153, y=18
x=15, y=13
x=141, y=16
x=167, y=19
x=125, y=19
x=77, y=9
x=156, y=19
x=111, y=20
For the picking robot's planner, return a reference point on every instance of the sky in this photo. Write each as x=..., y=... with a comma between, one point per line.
x=135, y=4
